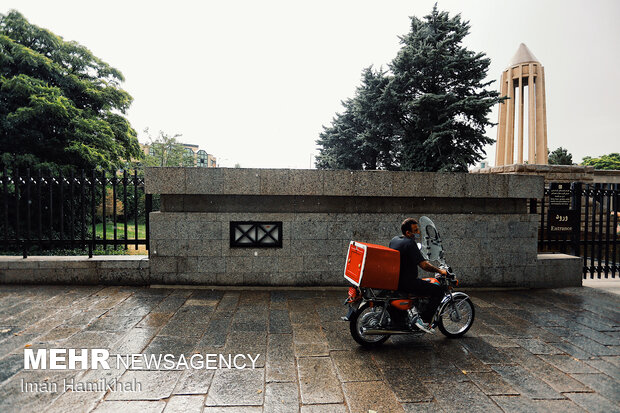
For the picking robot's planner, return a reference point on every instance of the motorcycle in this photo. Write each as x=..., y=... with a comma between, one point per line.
x=375, y=314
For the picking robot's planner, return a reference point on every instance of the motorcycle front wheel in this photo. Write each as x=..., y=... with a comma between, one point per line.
x=367, y=317
x=453, y=323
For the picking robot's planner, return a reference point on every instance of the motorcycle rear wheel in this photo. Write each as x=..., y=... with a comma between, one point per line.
x=450, y=324
x=367, y=317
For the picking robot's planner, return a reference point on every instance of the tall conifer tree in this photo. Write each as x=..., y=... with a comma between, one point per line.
x=429, y=112
x=361, y=137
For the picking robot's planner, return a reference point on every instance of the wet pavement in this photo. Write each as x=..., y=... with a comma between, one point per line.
x=529, y=350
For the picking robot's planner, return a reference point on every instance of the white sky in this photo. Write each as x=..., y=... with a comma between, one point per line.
x=252, y=82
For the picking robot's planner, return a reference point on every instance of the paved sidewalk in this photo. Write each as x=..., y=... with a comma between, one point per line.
x=529, y=350
x=611, y=285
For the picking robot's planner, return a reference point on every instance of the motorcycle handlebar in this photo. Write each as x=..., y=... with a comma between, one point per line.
x=450, y=274
x=447, y=268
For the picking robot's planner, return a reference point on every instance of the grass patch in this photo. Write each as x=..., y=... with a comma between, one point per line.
x=120, y=230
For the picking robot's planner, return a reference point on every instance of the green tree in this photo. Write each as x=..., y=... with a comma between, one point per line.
x=60, y=106
x=560, y=157
x=430, y=109
x=340, y=142
x=361, y=137
x=167, y=151
x=611, y=161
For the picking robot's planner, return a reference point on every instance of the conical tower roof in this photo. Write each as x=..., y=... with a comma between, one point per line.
x=523, y=55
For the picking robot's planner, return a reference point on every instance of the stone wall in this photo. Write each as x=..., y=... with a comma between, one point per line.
x=489, y=238
x=606, y=177
x=558, y=270
x=194, y=248
x=105, y=269
x=556, y=173
x=551, y=173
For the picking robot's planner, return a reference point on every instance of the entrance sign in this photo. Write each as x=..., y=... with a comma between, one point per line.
x=562, y=222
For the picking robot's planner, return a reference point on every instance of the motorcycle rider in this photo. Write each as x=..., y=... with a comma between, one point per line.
x=410, y=259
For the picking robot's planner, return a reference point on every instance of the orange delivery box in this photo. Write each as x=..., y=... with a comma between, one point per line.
x=372, y=266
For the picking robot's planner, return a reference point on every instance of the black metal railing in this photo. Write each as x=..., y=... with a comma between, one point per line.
x=51, y=211
x=595, y=217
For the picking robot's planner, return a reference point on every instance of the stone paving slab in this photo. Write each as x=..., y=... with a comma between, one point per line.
x=545, y=371
x=237, y=388
x=529, y=350
x=318, y=381
x=406, y=386
x=281, y=397
x=527, y=383
x=280, y=363
x=371, y=395
x=464, y=396
x=182, y=404
x=521, y=404
x=592, y=402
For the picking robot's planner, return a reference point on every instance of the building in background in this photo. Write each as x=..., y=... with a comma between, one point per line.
x=200, y=157
x=205, y=160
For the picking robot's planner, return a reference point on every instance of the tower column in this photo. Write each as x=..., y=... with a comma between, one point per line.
x=531, y=125
x=520, y=151
x=540, y=124
x=510, y=120
x=544, y=116
x=500, y=150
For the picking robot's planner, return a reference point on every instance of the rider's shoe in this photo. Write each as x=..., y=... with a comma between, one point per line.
x=420, y=324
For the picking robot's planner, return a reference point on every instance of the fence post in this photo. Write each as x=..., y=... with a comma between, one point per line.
x=5, y=193
x=125, y=206
x=114, y=208
x=148, y=207
x=72, y=207
x=576, y=235
x=543, y=233
x=608, y=192
x=40, y=211
x=616, y=189
x=16, y=184
x=61, y=198
x=83, y=208
x=28, y=212
x=103, y=211
x=51, y=212
x=93, y=214
x=135, y=195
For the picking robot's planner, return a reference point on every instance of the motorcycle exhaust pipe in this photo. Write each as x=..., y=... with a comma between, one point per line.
x=373, y=331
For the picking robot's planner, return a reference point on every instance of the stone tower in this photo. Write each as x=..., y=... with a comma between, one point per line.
x=523, y=71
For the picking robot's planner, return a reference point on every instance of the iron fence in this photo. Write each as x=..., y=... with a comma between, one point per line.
x=53, y=211
x=593, y=217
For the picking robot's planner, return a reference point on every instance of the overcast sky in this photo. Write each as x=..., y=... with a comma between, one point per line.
x=252, y=82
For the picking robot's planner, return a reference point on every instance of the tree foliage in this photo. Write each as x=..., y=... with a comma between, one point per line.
x=361, y=137
x=560, y=157
x=167, y=151
x=109, y=205
x=60, y=106
x=427, y=113
x=610, y=162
